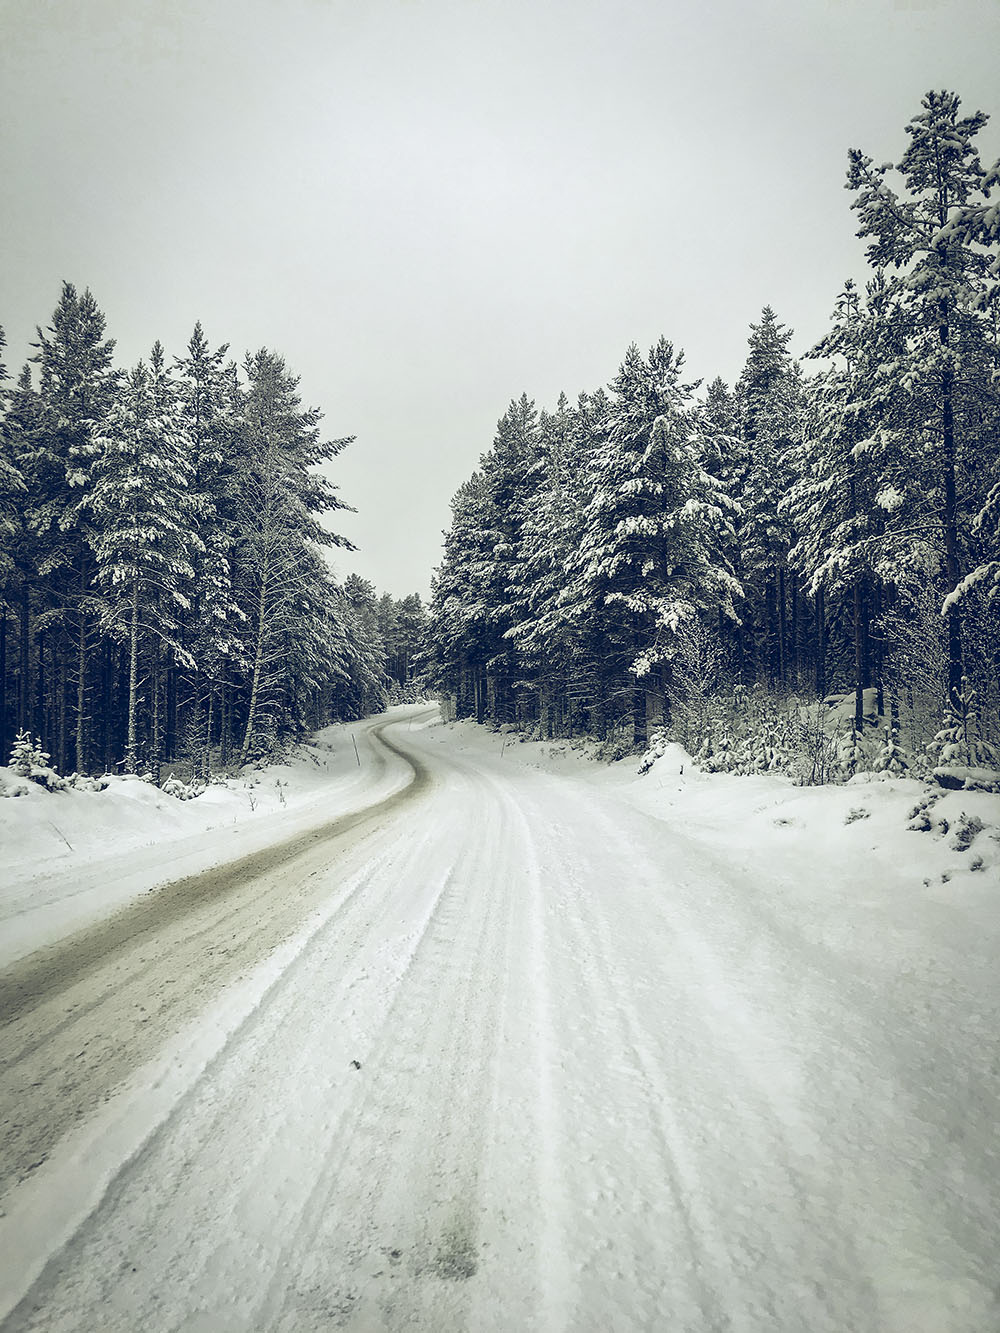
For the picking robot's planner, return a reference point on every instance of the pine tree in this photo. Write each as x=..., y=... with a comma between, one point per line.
x=842, y=487
x=551, y=644
x=280, y=502
x=144, y=533
x=649, y=554
x=928, y=237
x=77, y=383
x=463, y=634
x=12, y=497
x=769, y=410
x=210, y=405
x=508, y=481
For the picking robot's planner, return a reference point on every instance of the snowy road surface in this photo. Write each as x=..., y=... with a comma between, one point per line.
x=503, y=1054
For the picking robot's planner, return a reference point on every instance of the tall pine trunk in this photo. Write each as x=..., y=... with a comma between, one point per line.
x=156, y=743
x=82, y=756
x=862, y=668
x=779, y=592
x=132, y=746
x=258, y=668
x=820, y=612
x=950, y=518
x=24, y=647
x=40, y=728
x=4, y=748
x=61, y=703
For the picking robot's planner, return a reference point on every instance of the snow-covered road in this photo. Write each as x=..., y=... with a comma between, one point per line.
x=528, y=1058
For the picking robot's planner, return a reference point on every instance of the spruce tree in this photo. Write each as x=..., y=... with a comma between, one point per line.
x=927, y=235
x=77, y=384
x=769, y=413
x=281, y=500
x=649, y=554
x=144, y=530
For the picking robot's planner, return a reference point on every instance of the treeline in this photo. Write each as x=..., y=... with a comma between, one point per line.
x=164, y=596
x=653, y=554
x=403, y=624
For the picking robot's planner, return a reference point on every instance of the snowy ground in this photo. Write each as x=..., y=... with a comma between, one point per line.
x=534, y=1044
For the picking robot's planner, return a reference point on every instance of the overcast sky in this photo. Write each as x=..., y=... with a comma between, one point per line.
x=428, y=206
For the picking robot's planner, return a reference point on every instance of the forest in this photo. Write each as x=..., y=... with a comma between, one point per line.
x=799, y=572
x=165, y=597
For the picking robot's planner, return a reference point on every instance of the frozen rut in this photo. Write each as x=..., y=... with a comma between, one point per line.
x=535, y=1064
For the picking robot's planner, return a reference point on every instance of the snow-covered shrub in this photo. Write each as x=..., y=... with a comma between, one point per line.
x=915, y=669
x=29, y=760
x=816, y=759
x=617, y=745
x=961, y=741
x=852, y=755
x=182, y=791
x=966, y=830
x=890, y=758
x=26, y=754
x=920, y=815
x=696, y=662
x=716, y=755
x=84, y=782
x=772, y=742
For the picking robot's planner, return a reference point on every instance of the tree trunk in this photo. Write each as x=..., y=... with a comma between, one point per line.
x=820, y=610
x=4, y=747
x=82, y=757
x=107, y=663
x=156, y=742
x=876, y=642
x=639, y=731
x=225, y=730
x=782, y=628
x=258, y=666
x=771, y=630
x=170, y=711
x=24, y=645
x=859, y=661
x=207, y=764
x=61, y=704
x=40, y=728
x=794, y=637
x=950, y=517
x=479, y=687
x=132, y=747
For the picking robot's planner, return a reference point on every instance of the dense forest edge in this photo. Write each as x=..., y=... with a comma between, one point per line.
x=166, y=604
x=799, y=573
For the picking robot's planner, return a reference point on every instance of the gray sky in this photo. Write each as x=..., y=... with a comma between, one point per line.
x=429, y=206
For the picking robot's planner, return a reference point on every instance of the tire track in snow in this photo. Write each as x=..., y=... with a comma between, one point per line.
x=392, y=1232
x=634, y=1193
x=729, y=1138
x=869, y=1209
x=80, y=1017
x=534, y=1118
x=587, y=1068
x=132, y=1225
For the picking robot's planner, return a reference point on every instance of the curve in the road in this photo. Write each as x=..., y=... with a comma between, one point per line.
x=77, y=1018
x=52, y=970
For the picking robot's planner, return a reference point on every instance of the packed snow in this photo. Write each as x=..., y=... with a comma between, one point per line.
x=553, y=1045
